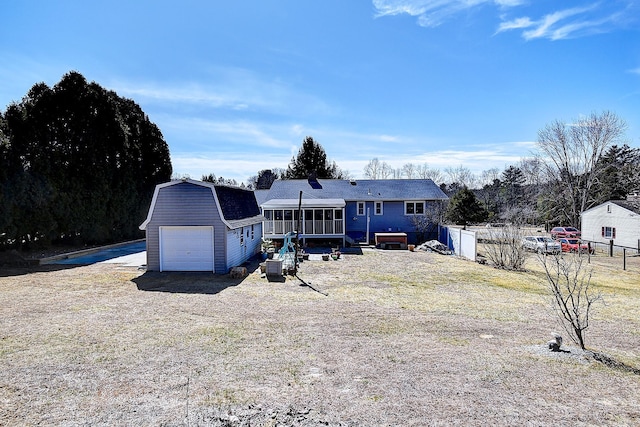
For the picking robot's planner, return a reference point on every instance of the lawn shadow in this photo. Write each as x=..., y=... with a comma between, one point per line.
x=11, y=270
x=185, y=282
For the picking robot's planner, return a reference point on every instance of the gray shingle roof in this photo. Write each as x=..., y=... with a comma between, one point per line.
x=357, y=190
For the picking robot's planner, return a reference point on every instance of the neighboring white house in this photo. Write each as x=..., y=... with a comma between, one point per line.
x=617, y=220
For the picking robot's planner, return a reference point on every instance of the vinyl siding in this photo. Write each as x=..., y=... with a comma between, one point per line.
x=626, y=223
x=392, y=220
x=237, y=254
x=185, y=204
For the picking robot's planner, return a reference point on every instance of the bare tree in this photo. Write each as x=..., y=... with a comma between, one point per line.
x=502, y=246
x=386, y=171
x=423, y=171
x=570, y=155
x=376, y=169
x=573, y=298
x=531, y=168
x=489, y=176
x=372, y=170
x=396, y=173
x=461, y=176
x=409, y=170
x=427, y=223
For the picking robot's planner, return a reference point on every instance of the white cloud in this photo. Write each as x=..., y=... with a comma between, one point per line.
x=235, y=90
x=431, y=13
x=571, y=23
x=554, y=25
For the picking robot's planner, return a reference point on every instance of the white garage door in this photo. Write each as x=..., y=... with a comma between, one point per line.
x=186, y=248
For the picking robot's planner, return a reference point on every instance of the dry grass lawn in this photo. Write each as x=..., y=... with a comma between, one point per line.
x=401, y=338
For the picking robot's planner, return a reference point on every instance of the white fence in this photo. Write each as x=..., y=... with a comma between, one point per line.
x=462, y=242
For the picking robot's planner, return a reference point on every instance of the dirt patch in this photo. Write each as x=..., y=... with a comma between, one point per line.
x=400, y=338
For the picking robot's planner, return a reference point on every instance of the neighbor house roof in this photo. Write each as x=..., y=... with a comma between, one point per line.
x=356, y=190
x=632, y=205
x=238, y=207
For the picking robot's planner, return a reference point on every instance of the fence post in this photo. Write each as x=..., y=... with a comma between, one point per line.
x=624, y=258
x=611, y=248
x=589, y=252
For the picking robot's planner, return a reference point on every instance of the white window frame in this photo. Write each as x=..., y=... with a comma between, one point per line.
x=609, y=232
x=415, y=204
x=362, y=205
x=375, y=208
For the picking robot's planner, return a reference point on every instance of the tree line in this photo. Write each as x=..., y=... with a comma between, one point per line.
x=78, y=164
x=576, y=165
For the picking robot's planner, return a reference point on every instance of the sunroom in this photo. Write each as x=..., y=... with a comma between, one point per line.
x=320, y=219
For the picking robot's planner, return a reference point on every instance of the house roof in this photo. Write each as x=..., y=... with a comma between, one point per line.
x=632, y=205
x=357, y=190
x=238, y=207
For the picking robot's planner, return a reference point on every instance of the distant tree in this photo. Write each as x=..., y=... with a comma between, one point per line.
x=409, y=170
x=425, y=172
x=462, y=176
x=464, y=208
x=81, y=164
x=312, y=158
x=571, y=158
x=619, y=174
x=376, y=169
x=209, y=178
x=512, y=186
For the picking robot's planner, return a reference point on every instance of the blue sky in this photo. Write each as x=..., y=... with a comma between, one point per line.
x=235, y=86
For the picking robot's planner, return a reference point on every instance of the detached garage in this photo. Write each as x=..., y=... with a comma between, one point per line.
x=199, y=226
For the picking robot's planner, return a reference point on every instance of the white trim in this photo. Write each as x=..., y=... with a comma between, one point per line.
x=415, y=203
x=306, y=203
x=208, y=185
x=375, y=208
x=364, y=208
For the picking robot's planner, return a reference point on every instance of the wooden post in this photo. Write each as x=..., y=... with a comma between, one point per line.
x=589, y=252
x=624, y=258
x=611, y=248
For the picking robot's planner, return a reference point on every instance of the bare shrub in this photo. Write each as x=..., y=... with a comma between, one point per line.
x=569, y=283
x=503, y=247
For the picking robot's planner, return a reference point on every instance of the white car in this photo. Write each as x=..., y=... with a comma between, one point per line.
x=541, y=245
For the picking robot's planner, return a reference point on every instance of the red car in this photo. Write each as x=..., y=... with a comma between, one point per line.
x=558, y=232
x=573, y=245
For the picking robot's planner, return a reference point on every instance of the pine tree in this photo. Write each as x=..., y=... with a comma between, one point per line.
x=312, y=159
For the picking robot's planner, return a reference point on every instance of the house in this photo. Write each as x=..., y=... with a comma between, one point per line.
x=348, y=210
x=617, y=220
x=199, y=226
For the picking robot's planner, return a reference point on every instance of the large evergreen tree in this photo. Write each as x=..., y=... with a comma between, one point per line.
x=464, y=208
x=81, y=164
x=312, y=159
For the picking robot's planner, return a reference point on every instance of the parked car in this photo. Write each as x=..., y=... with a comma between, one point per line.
x=541, y=245
x=573, y=245
x=558, y=232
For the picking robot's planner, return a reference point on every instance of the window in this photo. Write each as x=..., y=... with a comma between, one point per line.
x=377, y=208
x=608, y=208
x=609, y=232
x=360, y=208
x=414, y=208
x=253, y=235
x=242, y=237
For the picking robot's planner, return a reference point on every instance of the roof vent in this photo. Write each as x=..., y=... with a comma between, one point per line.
x=352, y=182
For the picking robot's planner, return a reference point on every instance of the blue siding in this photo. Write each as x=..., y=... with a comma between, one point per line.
x=239, y=251
x=393, y=219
